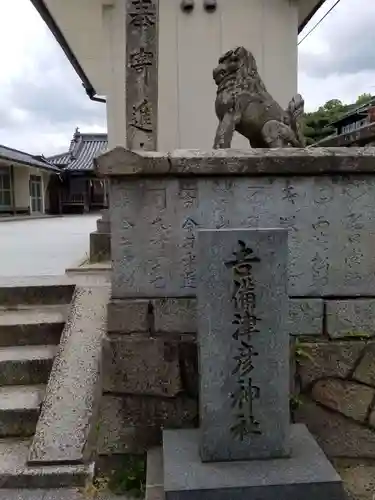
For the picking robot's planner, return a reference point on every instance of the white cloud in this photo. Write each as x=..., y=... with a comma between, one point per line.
x=42, y=99
x=338, y=59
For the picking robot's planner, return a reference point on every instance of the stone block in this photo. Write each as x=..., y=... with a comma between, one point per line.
x=149, y=411
x=243, y=343
x=305, y=317
x=331, y=222
x=139, y=365
x=103, y=226
x=124, y=440
x=175, y=315
x=132, y=424
x=100, y=246
x=328, y=359
x=128, y=316
x=336, y=434
x=306, y=474
x=150, y=258
x=350, y=317
x=365, y=371
x=348, y=398
x=358, y=477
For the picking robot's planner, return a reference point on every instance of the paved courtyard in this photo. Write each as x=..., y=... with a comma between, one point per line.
x=44, y=247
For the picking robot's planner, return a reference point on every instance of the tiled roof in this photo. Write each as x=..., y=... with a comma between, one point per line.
x=16, y=156
x=60, y=159
x=83, y=149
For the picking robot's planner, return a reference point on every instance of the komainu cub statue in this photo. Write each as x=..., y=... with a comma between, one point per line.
x=244, y=104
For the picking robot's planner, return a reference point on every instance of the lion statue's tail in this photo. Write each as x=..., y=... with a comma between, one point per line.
x=295, y=110
x=296, y=106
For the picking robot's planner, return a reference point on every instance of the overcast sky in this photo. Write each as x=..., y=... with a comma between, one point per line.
x=42, y=99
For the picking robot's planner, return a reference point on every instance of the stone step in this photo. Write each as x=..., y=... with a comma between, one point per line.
x=23, y=365
x=32, y=325
x=19, y=410
x=100, y=246
x=15, y=473
x=39, y=290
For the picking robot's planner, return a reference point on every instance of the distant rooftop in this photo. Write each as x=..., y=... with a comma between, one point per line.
x=82, y=151
x=356, y=110
x=22, y=158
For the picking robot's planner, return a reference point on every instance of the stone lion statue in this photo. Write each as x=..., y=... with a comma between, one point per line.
x=244, y=104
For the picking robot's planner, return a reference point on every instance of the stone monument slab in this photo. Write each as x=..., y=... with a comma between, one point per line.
x=245, y=447
x=243, y=343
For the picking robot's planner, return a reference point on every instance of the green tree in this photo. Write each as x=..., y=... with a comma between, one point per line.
x=363, y=99
x=317, y=125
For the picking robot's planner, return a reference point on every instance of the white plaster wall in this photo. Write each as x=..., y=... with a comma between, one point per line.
x=21, y=176
x=80, y=21
x=189, y=47
x=22, y=186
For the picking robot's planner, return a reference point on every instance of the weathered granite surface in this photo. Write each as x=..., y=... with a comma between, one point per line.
x=243, y=344
x=306, y=474
x=351, y=317
x=128, y=316
x=365, y=369
x=139, y=365
x=325, y=359
x=66, y=425
x=338, y=395
x=330, y=218
x=305, y=317
x=131, y=424
x=337, y=435
x=253, y=162
x=15, y=473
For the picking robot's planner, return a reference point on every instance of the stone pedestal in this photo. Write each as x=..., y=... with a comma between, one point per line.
x=306, y=475
x=324, y=197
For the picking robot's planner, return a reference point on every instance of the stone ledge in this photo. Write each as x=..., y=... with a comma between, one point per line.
x=67, y=422
x=306, y=474
x=251, y=162
x=179, y=316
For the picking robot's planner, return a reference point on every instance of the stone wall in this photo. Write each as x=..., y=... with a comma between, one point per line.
x=325, y=197
x=336, y=382
x=150, y=373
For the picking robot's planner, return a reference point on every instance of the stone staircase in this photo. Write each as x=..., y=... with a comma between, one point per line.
x=31, y=323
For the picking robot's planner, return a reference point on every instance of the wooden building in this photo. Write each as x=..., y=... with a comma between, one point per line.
x=355, y=128
x=80, y=190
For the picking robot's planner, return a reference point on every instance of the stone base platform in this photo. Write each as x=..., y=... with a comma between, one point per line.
x=307, y=475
